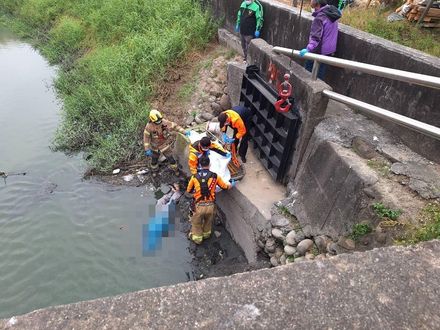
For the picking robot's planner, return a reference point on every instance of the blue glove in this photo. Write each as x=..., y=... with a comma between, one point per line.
x=148, y=152
x=303, y=52
x=187, y=133
x=233, y=183
x=257, y=34
x=230, y=140
x=237, y=28
x=228, y=155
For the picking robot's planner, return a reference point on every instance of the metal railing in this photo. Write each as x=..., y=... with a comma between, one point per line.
x=409, y=77
x=405, y=76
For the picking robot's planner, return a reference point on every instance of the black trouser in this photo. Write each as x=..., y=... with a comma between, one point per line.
x=244, y=142
x=156, y=155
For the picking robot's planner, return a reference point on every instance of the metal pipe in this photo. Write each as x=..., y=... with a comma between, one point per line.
x=315, y=69
x=409, y=77
x=428, y=6
x=413, y=124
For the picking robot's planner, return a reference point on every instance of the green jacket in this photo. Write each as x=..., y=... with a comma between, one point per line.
x=256, y=7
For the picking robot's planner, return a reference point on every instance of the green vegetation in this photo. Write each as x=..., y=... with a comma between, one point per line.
x=112, y=52
x=380, y=165
x=385, y=212
x=430, y=228
x=359, y=230
x=374, y=21
x=187, y=90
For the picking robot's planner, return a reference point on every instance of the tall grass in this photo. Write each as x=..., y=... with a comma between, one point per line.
x=111, y=53
x=374, y=21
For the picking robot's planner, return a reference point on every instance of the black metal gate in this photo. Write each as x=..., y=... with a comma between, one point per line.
x=273, y=133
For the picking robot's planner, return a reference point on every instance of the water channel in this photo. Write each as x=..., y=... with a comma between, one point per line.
x=64, y=239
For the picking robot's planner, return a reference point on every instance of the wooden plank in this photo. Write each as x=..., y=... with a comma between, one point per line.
x=431, y=25
x=431, y=11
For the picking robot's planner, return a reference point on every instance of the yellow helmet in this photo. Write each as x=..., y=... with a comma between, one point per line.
x=155, y=116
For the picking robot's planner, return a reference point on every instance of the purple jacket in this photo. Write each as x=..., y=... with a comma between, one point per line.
x=324, y=31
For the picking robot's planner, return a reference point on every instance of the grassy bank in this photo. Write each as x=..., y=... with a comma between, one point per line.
x=112, y=54
x=374, y=21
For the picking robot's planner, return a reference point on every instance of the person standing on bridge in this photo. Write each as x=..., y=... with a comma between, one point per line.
x=203, y=186
x=323, y=33
x=249, y=23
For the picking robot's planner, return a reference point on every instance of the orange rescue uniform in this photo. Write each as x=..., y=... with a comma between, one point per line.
x=236, y=123
x=195, y=152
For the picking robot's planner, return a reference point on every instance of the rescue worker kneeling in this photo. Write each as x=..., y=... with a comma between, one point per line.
x=159, y=138
x=202, y=148
x=203, y=185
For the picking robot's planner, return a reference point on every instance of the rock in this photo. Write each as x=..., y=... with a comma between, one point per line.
x=206, y=116
x=290, y=238
x=274, y=261
x=211, y=99
x=299, y=259
x=189, y=119
x=321, y=243
x=216, y=91
x=365, y=240
x=116, y=171
x=299, y=237
x=216, y=108
x=278, y=234
x=346, y=243
x=381, y=237
x=309, y=256
x=304, y=246
x=289, y=250
x=320, y=256
x=279, y=252
x=225, y=102
x=261, y=244
x=225, y=90
x=217, y=234
x=270, y=245
x=283, y=259
x=277, y=220
x=370, y=192
x=198, y=120
x=363, y=148
x=332, y=248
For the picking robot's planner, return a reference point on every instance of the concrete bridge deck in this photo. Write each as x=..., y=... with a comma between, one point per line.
x=388, y=288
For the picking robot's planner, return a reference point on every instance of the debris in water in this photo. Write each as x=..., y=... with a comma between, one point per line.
x=116, y=171
x=128, y=178
x=12, y=321
x=142, y=172
x=217, y=233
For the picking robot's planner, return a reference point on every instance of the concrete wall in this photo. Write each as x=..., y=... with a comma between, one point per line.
x=389, y=288
x=283, y=27
x=309, y=100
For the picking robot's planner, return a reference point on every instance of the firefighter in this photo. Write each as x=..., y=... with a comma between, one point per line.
x=159, y=138
x=238, y=119
x=203, y=185
x=202, y=148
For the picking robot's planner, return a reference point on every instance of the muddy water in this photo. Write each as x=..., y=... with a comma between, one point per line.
x=63, y=239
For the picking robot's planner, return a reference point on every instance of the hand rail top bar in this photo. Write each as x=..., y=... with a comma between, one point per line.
x=406, y=76
x=389, y=115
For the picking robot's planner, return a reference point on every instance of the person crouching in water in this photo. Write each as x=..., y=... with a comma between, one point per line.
x=159, y=138
x=203, y=185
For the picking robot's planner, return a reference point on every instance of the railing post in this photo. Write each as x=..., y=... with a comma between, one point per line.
x=315, y=69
